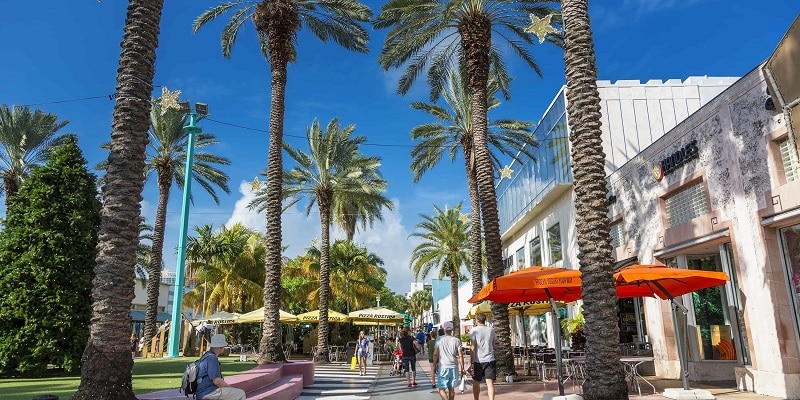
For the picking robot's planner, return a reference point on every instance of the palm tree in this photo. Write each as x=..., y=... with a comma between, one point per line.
x=277, y=24
x=438, y=34
x=420, y=302
x=144, y=251
x=445, y=246
x=27, y=139
x=166, y=157
x=454, y=129
x=605, y=378
x=202, y=250
x=107, y=364
x=350, y=214
x=351, y=267
x=334, y=169
x=351, y=284
x=233, y=277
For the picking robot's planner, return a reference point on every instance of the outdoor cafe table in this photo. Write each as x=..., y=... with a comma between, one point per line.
x=631, y=369
x=575, y=366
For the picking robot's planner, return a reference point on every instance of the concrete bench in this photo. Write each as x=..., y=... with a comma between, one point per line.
x=264, y=382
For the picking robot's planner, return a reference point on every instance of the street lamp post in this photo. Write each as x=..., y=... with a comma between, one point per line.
x=177, y=302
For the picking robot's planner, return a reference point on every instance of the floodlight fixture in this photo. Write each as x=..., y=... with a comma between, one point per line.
x=184, y=107
x=201, y=108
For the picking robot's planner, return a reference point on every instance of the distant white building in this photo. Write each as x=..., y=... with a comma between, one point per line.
x=416, y=287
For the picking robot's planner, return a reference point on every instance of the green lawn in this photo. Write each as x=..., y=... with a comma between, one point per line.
x=149, y=375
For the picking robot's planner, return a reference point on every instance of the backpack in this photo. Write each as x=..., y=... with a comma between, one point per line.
x=189, y=381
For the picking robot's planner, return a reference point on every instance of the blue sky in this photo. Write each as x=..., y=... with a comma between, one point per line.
x=57, y=50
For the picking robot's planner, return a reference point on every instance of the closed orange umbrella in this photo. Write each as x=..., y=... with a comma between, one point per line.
x=533, y=284
x=664, y=282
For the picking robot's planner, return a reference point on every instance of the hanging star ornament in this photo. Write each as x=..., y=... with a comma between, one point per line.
x=506, y=172
x=464, y=218
x=169, y=99
x=255, y=185
x=541, y=27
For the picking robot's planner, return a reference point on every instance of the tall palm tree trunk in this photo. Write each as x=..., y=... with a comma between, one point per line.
x=475, y=245
x=272, y=17
x=11, y=188
x=454, y=301
x=107, y=363
x=324, y=202
x=605, y=378
x=156, y=256
x=476, y=39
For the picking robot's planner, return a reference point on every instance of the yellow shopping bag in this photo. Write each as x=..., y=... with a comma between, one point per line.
x=353, y=362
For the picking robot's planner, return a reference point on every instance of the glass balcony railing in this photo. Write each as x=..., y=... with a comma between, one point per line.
x=533, y=179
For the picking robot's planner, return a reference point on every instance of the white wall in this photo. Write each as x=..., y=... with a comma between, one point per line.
x=635, y=114
x=140, y=296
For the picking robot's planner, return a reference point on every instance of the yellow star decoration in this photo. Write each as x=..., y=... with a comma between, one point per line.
x=464, y=218
x=169, y=99
x=541, y=27
x=255, y=185
x=506, y=172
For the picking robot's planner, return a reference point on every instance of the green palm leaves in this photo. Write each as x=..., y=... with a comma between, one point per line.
x=427, y=35
x=445, y=247
x=27, y=139
x=227, y=268
x=453, y=129
x=166, y=154
x=336, y=20
x=277, y=24
x=445, y=244
x=332, y=172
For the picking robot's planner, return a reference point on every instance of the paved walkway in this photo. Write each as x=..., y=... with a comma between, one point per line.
x=338, y=382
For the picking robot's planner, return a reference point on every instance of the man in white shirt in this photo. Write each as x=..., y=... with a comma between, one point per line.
x=482, y=342
x=447, y=350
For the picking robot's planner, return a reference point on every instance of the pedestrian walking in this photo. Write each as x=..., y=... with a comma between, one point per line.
x=431, y=349
x=482, y=342
x=410, y=348
x=448, y=360
x=361, y=352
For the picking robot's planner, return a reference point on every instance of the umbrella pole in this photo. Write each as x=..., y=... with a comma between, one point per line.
x=525, y=340
x=680, y=331
x=557, y=334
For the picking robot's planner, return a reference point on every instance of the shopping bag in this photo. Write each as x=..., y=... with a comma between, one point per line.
x=353, y=362
x=463, y=385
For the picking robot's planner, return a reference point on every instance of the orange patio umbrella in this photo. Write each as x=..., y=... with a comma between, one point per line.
x=664, y=282
x=533, y=284
x=536, y=284
x=667, y=283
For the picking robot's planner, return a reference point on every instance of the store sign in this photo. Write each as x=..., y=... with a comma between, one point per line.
x=675, y=160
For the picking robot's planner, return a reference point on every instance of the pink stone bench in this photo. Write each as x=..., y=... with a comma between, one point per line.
x=264, y=382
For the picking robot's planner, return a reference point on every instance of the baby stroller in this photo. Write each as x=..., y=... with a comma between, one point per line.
x=397, y=362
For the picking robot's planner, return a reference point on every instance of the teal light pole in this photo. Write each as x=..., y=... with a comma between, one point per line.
x=177, y=300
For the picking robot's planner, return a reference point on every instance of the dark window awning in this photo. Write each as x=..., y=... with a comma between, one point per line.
x=138, y=316
x=624, y=263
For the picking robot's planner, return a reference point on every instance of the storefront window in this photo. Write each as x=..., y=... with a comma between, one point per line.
x=790, y=238
x=536, y=251
x=521, y=259
x=711, y=313
x=554, y=241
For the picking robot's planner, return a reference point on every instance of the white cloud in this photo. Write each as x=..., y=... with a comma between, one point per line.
x=297, y=230
x=390, y=241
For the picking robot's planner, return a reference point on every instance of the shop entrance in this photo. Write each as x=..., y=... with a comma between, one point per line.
x=715, y=313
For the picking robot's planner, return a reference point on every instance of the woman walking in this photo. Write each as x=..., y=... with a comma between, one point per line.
x=362, y=350
x=410, y=348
